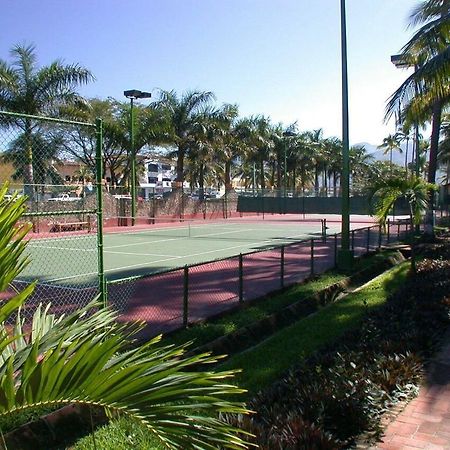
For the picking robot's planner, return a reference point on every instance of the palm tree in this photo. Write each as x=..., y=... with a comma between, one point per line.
x=232, y=144
x=414, y=190
x=427, y=91
x=391, y=143
x=316, y=145
x=261, y=140
x=90, y=359
x=360, y=163
x=26, y=88
x=183, y=114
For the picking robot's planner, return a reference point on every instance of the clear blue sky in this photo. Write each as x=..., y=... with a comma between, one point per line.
x=280, y=58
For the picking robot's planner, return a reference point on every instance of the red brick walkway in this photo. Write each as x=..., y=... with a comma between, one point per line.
x=425, y=422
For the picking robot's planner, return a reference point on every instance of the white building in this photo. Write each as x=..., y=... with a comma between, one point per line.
x=157, y=177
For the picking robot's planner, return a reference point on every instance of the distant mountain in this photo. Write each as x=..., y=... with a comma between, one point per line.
x=397, y=157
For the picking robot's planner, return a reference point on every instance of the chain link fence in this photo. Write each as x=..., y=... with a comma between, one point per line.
x=173, y=299
x=61, y=207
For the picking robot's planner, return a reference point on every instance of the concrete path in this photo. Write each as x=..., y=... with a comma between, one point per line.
x=425, y=421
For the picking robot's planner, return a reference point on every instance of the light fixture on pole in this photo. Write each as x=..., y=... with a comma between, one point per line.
x=400, y=62
x=345, y=254
x=133, y=94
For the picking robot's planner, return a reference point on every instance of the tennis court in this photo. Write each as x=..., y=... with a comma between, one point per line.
x=161, y=245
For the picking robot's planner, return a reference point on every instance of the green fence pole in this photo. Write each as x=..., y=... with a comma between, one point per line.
x=241, y=278
x=368, y=239
x=133, y=166
x=312, y=257
x=335, y=249
x=353, y=240
x=282, y=266
x=99, y=189
x=388, y=231
x=186, y=297
x=379, y=236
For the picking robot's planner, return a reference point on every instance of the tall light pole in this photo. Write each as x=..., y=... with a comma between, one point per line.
x=132, y=95
x=400, y=62
x=345, y=255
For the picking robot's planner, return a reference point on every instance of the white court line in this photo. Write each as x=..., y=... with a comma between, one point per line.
x=48, y=247
x=140, y=254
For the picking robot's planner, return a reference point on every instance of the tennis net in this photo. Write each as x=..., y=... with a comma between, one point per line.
x=278, y=229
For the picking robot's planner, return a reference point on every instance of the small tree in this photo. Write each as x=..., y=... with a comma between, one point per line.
x=414, y=190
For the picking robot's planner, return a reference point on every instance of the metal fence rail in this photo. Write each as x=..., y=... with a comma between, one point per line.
x=175, y=298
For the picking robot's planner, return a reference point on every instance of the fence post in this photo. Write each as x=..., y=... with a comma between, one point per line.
x=241, y=278
x=398, y=230
x=379, y=236
x=99, y=192
x=324, y=229
x=335, y=249
x=186, y=296
x=368, y=239
x=312, y=257
x=353, y=240
x=282, y=267
x=388, y=231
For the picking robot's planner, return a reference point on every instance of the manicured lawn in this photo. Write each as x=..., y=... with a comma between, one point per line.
x=121, y=434
x=266, y=362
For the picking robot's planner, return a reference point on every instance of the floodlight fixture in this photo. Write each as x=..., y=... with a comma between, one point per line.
x=135, y=93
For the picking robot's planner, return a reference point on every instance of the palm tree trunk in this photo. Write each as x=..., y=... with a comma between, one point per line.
x=180, y=167
x=263, y=182
x=406, y=156
x=432, y=166
x=201, y=182
x=228, y=175
x=316, y=182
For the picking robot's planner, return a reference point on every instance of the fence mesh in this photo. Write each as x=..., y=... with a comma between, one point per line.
x=37, y=159
x=170, y=300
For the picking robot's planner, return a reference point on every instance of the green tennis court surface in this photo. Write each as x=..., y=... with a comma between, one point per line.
x=133, y=251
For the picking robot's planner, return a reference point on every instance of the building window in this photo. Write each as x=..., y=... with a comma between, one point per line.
x=153, y=167
x=165, y=166
x=152, y=179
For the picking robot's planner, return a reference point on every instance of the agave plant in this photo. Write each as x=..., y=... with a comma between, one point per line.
x=89, y=358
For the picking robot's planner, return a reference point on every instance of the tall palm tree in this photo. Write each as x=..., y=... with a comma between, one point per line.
x=427, y=91
x=316, y=145
x=391, y=143
x=232, y=142
x=184, y=114
x=27, y=88
x=261, y=139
